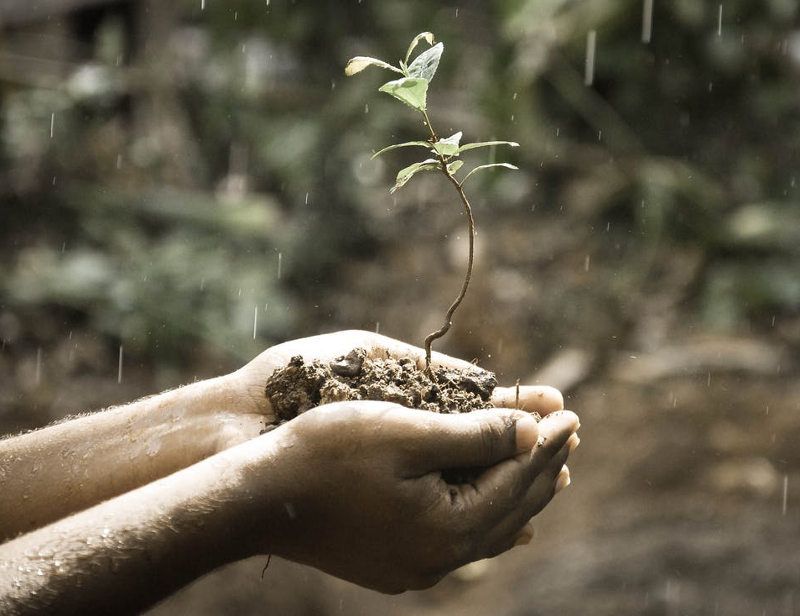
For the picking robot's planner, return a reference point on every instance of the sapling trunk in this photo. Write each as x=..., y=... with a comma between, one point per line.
x=448, y=317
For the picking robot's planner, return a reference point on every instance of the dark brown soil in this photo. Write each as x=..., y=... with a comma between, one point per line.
x=301, y=386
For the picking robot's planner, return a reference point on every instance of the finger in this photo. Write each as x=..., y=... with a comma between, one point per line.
x=554, y=431
x=478, y=439
x=506, y=532
x=503, y=488
x=532, y=398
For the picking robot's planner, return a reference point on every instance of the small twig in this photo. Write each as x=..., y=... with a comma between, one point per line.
x=516, y=398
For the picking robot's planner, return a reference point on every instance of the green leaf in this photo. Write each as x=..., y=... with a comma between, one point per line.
x=454, y=166
x=425, y=64
x=484, y=144
x=394, y=146
x=478, y=168
x=428, y=36
x=405, y=174
x=359, y=63
x=413, y=92
x=448, y=146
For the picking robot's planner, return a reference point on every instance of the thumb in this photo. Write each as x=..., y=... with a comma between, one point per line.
x=477, y=439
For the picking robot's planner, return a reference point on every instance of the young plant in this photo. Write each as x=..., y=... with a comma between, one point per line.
x=443, y=153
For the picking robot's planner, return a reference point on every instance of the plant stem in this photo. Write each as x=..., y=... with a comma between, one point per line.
x=448, y=322
x=467, y=277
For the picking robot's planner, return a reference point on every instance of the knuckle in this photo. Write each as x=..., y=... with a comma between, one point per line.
x=491, y=436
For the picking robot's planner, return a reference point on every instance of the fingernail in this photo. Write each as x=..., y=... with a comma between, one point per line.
x=563, y=479
x=573, y=442
x=527, y=433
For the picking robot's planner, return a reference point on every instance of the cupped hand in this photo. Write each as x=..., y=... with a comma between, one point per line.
x=253, y=410
x=356, y=489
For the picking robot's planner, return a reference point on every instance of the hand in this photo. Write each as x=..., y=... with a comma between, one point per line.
x=355, y=488
x=253, y=409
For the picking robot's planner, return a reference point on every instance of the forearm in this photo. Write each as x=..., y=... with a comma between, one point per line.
x=64, y=468
x=130, y=552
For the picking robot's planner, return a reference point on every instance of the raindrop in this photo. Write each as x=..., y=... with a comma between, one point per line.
x=119, y=161
x=38, y=365
x=647, y=21
x=119, y=366
x=456, y=12
x=719, y=21
x=202, y=5
x=586, y=262
x=377, y=327
x=202, y=283
x=306, y=198
x=52, y=126
x=591, y=44
x=280, y=264
x=366, y=107
x=785, y=492
x=255, y=321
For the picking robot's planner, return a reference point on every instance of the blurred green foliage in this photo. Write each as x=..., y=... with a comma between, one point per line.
x=191, y=147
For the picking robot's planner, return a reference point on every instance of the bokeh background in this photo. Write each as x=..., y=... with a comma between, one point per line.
x=168, y=170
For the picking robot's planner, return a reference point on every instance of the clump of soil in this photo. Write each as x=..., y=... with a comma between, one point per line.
x=301, y=386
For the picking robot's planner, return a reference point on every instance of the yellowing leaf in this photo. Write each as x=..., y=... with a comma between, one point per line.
x=428, y=36
x=359, y=63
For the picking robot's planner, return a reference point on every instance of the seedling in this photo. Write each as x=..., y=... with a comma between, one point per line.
x=443, y=153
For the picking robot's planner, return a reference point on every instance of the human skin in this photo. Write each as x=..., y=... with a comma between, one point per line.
x=289, y=492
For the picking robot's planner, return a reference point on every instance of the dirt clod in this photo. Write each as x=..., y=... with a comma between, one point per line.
x=301, y=386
